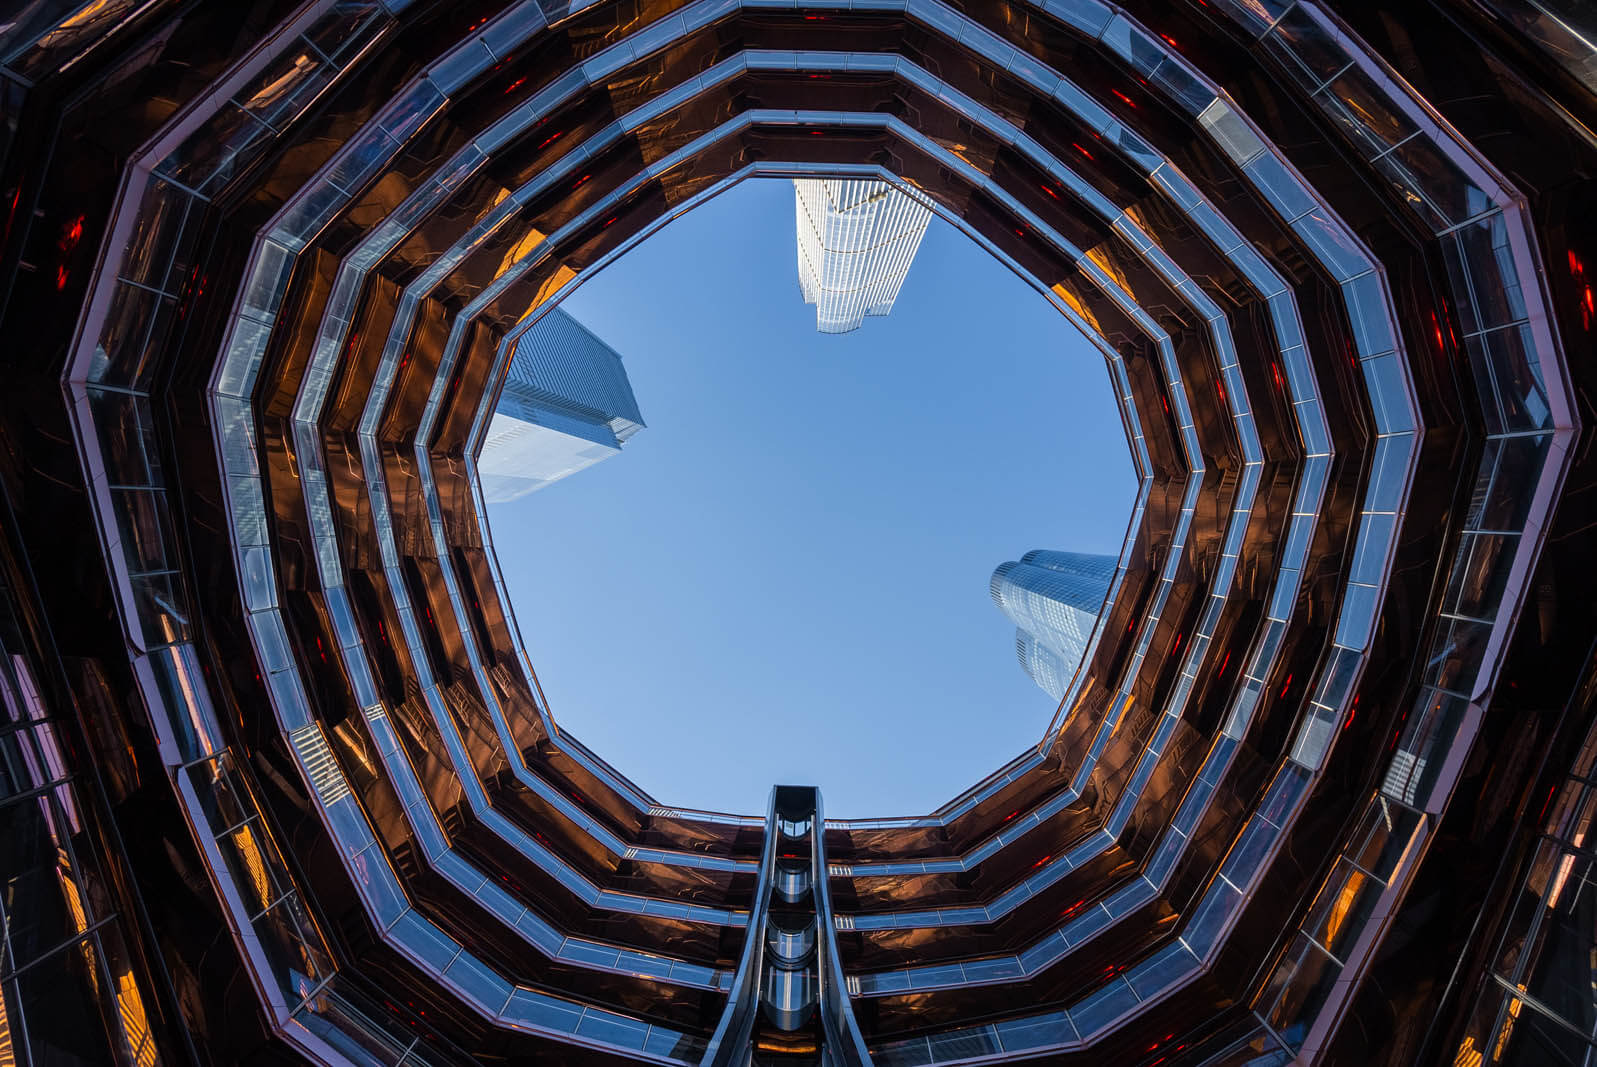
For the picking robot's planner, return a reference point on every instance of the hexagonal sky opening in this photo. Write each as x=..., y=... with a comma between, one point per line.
x=785, y=575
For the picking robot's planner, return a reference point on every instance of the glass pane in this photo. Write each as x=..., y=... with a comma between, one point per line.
x=1432, y=184
x=1340, y=911
x=42, y=898
x=57, y=1001
x=126, y=429
x=1559, y=965
x=119, y=351
x=1480, y=573
x=1517, y=376
x=1306, y=46
x=1493, y=278
x=1382, y=837
x=1305, y=977
x=147, y=256
x=130, y=1008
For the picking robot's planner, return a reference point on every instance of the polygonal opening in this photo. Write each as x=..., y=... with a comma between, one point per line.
x=785, y=576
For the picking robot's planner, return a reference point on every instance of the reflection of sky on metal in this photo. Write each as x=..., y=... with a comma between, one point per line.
x=794, y=560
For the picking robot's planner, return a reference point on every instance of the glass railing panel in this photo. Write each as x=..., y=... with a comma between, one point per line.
x=1413, y=772
x=355, y=1037
x=1298, y=989
x=1296, y=39
x=1428, y=179
x=1166, y=968
x=1099, y=1009
x=60, y=1008
x=1341, y=909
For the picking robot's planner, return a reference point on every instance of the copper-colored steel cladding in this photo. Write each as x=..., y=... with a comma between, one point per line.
x=279, y=780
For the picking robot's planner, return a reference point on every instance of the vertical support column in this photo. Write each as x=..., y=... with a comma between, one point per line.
x=788, y=1001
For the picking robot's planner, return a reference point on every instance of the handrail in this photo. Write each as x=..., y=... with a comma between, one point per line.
x=844, y=1042
x=729, y=1046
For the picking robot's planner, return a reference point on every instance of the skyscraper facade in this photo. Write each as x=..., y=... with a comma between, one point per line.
x=566, y=404
x=280, y=783
x=856, y=241
x=1054, y=600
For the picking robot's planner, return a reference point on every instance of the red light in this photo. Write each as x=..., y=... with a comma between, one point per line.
x=11, y=213
x=580, y=180
x=1049, y=191
x=1124, y=98
x=71, y=234
x=1285, y=687
x=1169, y=40
x=1082, y=150
x=518, y=83
x=1546, y=802
x=552, y=138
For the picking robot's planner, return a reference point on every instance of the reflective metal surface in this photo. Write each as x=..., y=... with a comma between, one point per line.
x=281, y=779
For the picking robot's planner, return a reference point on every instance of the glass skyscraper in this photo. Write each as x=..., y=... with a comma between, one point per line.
x=1054, y=599
x=856, y=240
x=280, y=783
x=566, y=405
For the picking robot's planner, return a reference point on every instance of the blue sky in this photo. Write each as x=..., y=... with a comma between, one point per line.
x=784, y=577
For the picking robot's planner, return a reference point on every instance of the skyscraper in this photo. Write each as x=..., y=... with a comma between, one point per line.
x=1053, y=598
x=280, y=783
x=566, y=405
x=856, y=240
